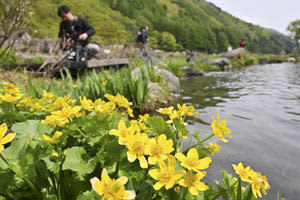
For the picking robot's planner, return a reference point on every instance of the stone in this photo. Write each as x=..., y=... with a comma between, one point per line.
x=193, y=59
x=263, y=61
x=157, y=61
x=173, y=81
x=188, y=69
x=238, y=53
x=223, y=63
x=291, y=59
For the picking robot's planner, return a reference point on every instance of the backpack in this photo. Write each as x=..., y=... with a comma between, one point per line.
x=139, y=37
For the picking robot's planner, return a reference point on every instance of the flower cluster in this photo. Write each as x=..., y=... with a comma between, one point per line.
x=9, y=92
x=256, y=179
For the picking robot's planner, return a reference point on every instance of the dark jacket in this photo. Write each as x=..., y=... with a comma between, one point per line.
x=142, y=37
x=72, y=30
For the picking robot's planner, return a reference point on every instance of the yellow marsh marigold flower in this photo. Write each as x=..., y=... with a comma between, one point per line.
x=165, y=111
x=54, y=139
x=213, y=148
x=86, y=104
x=166, y=175
x=122, y=132
x=111, y=189
x=192, y=182
x=5, y=138
x=158, y=148
x=186, y=110
x=136, y=145
x=219, y=129
x=258, y=182
x=103, y=107
x=244, y=173
x=74, y=86
x=192, y=162
x=143, y=118
x=119, y=100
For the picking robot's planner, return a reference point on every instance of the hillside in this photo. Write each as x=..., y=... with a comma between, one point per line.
x=174, y=24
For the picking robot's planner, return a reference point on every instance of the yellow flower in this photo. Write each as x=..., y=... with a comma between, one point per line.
x=165, y=111
x=103, y=107
x=5, y=138
x=244, y=173
x=11, y=92
x=186, y=110
x=193, y=183
x=119, y=100
x=143, y=118
x=166, y=175
x=192, y=162
x=86, y=104
x=111, y=189
x=130, y=112
x=258, y=182
x=54, y=139
x=122, y=132
x=158, y=148
x=220, y=129
x=74, y=86
x=213, y=148
x=136, y=145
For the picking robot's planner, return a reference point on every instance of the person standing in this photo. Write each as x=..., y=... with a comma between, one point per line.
x=143, y=41
x=242, y=43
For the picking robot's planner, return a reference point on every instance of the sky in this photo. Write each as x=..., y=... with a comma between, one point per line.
x=275, y=14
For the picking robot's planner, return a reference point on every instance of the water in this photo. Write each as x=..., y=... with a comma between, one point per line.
x=261, y=105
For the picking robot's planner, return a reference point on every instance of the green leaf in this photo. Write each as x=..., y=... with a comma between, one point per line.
x=6, y=178
x=89, y=195
x=159, y=126
x=250, y=194
x=31, y=129
x=239, y=190
x=180, y=127
x=78, y=160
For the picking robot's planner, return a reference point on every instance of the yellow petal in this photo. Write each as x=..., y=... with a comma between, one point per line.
x=130, y=156
x=204, y=163
x=96, y=185
x=180, y=157
x=152, y=160
x=3, y=130
x=131, y=194
x=170, y=184
x=158, y=185
x=193, y=191
x=143, y=162
x=201, y=186
x=57, y=134
x=154, y=173
x=193, y=153
x=8, y=138
x=123, y=180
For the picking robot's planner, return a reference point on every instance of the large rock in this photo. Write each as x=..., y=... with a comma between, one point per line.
x=291, y=59
x=157, y=61
x=173, y=81
x=223, y=63
x=236, y=53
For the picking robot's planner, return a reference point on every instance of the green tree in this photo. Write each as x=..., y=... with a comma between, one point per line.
x=294, y=29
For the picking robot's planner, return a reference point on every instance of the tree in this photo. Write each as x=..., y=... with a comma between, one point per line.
x=294, y=29
x=14, y=20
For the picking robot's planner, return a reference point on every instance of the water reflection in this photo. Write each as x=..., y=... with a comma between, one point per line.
x=262, y=107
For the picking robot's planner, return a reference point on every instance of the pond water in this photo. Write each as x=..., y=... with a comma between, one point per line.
x=261, y=105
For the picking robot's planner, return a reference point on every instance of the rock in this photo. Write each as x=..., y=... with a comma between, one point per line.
x=49, y=46
x=188, y=69
x=263, y=61
x=223, y=63
x=291, y=59
x=173, y=81
x=155, y=91
x=193, y=58
x=236, y=53
x=157, y=61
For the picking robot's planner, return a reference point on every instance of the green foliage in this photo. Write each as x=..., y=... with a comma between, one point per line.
x=8, y=58
x=174, y=25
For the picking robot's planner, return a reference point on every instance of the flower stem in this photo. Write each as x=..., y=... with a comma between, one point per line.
x=199, y=143
x=81, y=132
